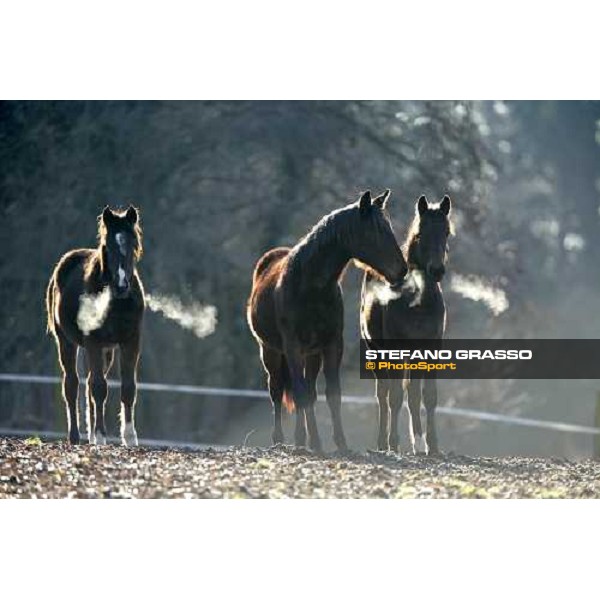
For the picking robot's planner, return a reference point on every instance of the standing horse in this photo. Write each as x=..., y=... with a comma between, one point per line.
x=95, y=300
x=295, y=309
x=414, y=311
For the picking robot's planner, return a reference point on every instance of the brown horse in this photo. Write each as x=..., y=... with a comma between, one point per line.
x=295, y=309
x=95, y=300
x=413, y=311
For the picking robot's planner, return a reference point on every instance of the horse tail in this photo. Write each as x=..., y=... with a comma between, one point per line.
x=50, y=325
x=288, y=397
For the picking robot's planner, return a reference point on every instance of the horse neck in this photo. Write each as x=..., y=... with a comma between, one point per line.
x=430, y=286
x=96, y=275
x=318, y=262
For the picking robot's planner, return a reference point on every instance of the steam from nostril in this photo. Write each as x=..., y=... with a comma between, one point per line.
x=198, y=318
x=384, y=293
x=93, y=309
x=475, y=288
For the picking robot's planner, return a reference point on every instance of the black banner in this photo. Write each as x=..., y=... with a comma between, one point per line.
x=481, y=359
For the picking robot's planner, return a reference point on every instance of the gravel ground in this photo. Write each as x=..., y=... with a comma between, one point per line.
x=31, y=469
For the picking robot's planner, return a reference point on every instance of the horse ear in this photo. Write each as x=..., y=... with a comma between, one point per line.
x=364, y=203
x=422, y=205
x=132, y=215
x=381, y=201
x=107, y=215
x=445, y=205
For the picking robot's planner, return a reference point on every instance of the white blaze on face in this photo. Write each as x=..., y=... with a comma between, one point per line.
x=120, y=237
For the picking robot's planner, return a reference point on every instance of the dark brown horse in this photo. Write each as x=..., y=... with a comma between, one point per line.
x=295, y=309
x=415, y=310
x=95, y=300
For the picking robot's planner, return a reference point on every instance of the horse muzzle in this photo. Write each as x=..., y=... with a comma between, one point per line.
x=122, y=291
x=399, y=276
x=436, y=273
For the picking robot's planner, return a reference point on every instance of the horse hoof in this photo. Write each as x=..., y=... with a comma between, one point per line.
x=129, y=436
x=345, y=453
x=341, y=445
x=377, y=452
x=420, y=445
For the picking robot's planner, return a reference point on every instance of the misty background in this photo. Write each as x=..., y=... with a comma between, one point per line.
x=219, y=183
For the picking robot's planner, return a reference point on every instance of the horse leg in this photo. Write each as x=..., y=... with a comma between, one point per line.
x=108, y=357
x=395, y=398
x=99, y=389
x=311, y=371
x=332, y=358
x=273, y=364
x=381, y=391
x=300, y=427
x=130, y=355
x=430, y=397
x=91, y=410
x=67, y=353
x=417, y=440
x=295, y=364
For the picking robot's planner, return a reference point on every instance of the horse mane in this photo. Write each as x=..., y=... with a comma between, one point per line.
x=412, y=238
x=93, y=265
x=335, y=228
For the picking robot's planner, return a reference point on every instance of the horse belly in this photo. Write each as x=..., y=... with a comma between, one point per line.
x=122, y=322
x=318, y=323
x=413, y=323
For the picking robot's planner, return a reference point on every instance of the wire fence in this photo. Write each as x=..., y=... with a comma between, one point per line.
x=450, y=411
